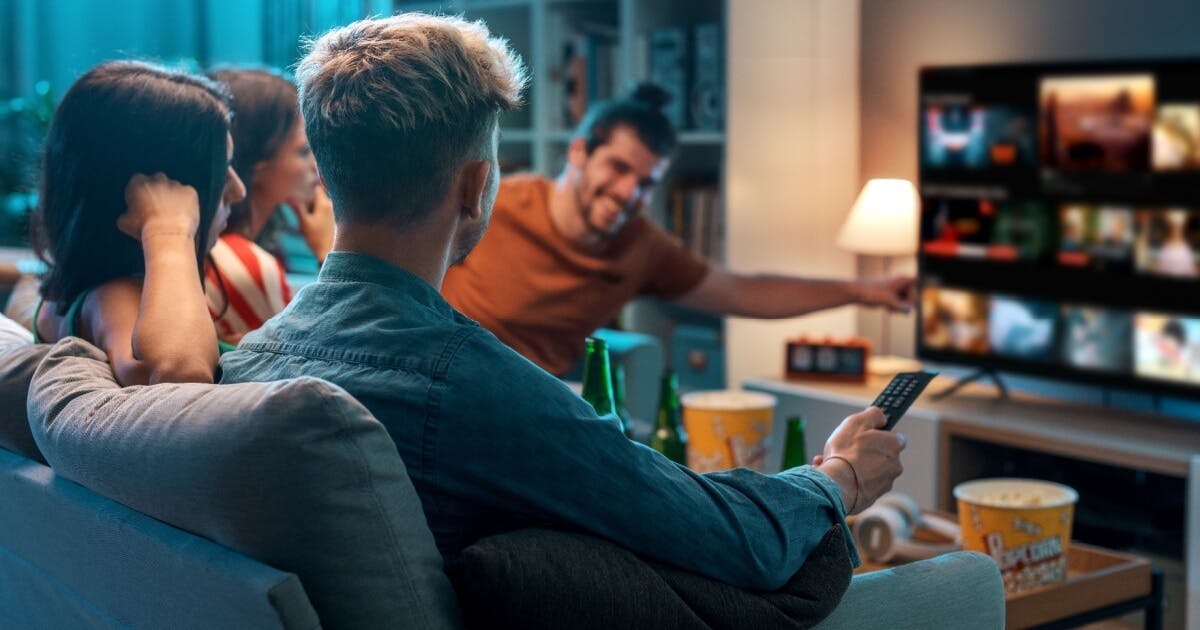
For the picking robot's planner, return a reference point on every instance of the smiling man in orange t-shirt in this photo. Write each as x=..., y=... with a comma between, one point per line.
x=562, y=256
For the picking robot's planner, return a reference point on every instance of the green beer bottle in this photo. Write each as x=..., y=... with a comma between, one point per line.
x=669, y=438
x=793, y=446
x=597, y=381
x=618, y=387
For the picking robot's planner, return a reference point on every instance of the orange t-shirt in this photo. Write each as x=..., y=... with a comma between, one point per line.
x=542, y=295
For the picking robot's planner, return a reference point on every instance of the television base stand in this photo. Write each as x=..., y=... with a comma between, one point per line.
x=981, y=373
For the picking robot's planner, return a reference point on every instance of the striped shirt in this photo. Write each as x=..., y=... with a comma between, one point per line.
x=246, y=287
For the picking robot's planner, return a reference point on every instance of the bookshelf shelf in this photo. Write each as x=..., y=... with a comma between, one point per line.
x=702, y=137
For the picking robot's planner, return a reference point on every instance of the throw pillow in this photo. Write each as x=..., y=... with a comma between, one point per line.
x=537, y=578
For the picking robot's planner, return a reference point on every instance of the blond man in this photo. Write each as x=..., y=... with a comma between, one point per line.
x=402, y=117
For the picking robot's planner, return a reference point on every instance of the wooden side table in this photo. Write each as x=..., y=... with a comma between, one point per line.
x=1101, y=584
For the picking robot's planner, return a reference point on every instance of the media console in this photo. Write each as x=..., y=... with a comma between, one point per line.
x=1138, y=474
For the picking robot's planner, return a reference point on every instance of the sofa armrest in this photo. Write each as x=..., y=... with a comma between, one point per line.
x=955, y=590
x=70, y=558
x=642, y=357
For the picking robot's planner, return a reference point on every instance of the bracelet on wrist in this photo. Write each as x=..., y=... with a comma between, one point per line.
x=185, y=234
x=857, y=485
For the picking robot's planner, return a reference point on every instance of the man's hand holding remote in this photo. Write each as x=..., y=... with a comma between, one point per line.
x=863, y=458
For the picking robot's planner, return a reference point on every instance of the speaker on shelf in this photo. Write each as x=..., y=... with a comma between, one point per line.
x=668, y=70
x=708, y=86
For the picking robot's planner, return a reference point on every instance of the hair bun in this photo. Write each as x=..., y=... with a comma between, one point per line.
x=650, y=95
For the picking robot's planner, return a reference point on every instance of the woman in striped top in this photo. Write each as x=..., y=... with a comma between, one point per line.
x=246, y=285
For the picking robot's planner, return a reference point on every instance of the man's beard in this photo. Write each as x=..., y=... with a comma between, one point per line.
x=585, y=213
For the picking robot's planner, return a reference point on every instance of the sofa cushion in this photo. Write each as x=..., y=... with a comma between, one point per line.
x=19, y=357
x=538, y=578
x=296, y=474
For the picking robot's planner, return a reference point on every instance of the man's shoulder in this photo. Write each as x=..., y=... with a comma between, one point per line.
x=521, y=191
x=642, y=232
x=525, y=181
x=307, y=338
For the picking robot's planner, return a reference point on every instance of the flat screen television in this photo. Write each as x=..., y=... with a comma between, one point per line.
x=1060, y=221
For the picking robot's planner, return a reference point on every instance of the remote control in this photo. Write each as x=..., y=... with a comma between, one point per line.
x=899, y=395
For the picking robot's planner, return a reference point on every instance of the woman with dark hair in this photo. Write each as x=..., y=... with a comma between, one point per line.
x=247, y=284
x=135, y=187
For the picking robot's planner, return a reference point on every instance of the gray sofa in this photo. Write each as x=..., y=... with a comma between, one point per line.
x=274, y=505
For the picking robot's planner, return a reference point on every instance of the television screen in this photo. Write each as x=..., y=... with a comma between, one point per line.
x=955, y=320
x=1167, y=347
x=1097, y=122
x=1168, y=243
x=1060, y=220
x=1022, y=328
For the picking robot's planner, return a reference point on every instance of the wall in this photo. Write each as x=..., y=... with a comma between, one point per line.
x=791, y=159
x=60, y=39
x=234, y=31
x=900, y=37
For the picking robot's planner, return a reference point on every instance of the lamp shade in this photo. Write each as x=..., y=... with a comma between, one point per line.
x=883, y=220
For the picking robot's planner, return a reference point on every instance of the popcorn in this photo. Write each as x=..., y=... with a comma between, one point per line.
x=1024, y=525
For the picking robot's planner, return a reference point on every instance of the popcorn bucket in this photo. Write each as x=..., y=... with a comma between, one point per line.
x=1023, y=524
x=727, y=429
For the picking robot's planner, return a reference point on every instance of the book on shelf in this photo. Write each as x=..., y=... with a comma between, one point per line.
x=589, y=69
x=696, y=217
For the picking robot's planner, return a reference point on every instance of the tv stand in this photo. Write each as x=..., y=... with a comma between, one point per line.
x=1137, y=473
x=981, y=373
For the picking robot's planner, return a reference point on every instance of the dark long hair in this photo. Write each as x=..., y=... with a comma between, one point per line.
x=265, y=109
x=119, y=119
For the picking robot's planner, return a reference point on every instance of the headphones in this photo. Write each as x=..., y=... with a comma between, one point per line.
x=884, y=531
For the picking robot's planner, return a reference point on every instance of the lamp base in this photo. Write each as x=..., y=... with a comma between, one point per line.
x=889, y=365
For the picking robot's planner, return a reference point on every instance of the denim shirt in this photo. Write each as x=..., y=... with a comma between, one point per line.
x=494, y=443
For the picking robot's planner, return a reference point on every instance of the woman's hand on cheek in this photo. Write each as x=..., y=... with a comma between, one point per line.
x=159, y=205
x=316, y=222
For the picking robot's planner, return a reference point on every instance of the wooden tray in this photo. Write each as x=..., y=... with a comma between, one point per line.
x=1096, y=577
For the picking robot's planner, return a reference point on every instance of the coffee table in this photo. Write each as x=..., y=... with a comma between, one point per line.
x=1101, y=584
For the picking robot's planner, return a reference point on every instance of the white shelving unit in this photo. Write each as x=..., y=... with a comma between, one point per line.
x=535, y=138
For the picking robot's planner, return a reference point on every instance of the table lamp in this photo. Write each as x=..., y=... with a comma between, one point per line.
x=883, y=222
